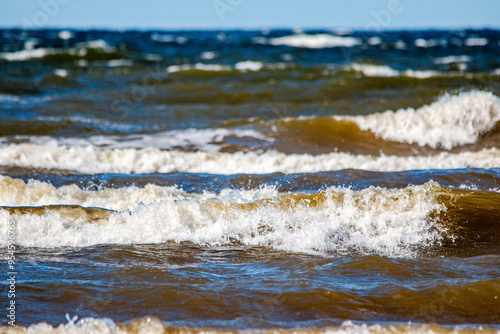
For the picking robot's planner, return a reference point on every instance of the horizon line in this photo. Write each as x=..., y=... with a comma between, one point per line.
x=255, y=28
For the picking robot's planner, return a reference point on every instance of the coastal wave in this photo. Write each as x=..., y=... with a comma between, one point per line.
x=91, y=160
x=390, y=222
x=451, y=121
x=153, y=325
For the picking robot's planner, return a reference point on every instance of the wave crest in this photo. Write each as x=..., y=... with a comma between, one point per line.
x=451, y=121
x=391, y=222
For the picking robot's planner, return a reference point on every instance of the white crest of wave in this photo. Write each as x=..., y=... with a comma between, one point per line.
x=244, y=66
x=476, y=41
x=80, y=49
x=370, y=70
x=15, y=192
x=199, y=67
x=315, y=41
x=390, y=222
x=22, y=55
x=249, y=65
x=151, y=160
x=451, y=121
x=152, y=325
x=451, y=59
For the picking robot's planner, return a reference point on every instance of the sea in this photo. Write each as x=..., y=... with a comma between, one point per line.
x=255, y=181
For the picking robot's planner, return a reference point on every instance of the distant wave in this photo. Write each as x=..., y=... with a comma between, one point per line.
x=369, y=70
x=79, y=50
x=247, y=65
x=315, y=41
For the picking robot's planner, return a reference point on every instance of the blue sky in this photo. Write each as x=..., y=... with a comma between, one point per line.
x=215, y=14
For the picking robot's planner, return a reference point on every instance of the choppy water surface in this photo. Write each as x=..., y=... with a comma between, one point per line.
x=251, y=180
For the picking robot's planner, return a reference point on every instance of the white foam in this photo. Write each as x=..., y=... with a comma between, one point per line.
x=400, y=45
x=452, y=59
x=249, y=65
x=27, y=54
x=375, y=70
x=199, y=67
x=369, y=70
x=162, y=38
x=429, y=43
x=31, y=43
x=155, y=326
x=61, y=72
x=374, y=41
x=95, y=44
x=15, y=192
x=315, y=41
x=476, y=41
x=389, y=222
x=208, y=55
x=90, y=160
x=119, y=63
x=79, y=49
x=421, y=74
x=451, y=121
x=65, y=34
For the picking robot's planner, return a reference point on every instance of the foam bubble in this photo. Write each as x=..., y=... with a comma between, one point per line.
x=390, y=222
x=451, y=121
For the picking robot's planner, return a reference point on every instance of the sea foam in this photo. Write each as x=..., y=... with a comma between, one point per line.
x=80, y=49
x=153, y=325
x=451, y=121
x=91, y=160
x=315, y=41
x=390, y=222
x=370, y=70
